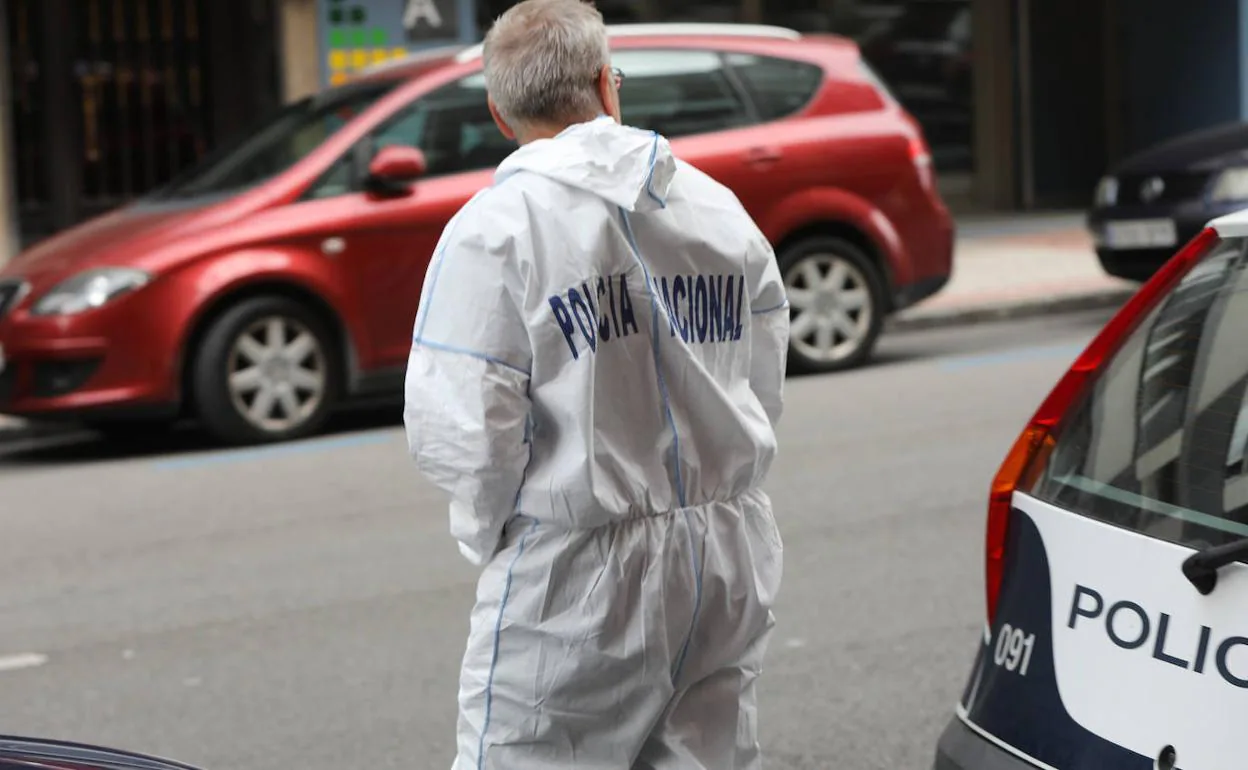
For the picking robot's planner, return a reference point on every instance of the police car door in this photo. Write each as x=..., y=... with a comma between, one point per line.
x=1120, y=635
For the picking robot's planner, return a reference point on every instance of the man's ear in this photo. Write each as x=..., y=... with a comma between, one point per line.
x=608, y=94
x=498, y=119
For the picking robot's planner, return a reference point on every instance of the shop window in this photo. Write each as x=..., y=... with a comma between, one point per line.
x=923, y=52
x=778, y=87
x=678, y=92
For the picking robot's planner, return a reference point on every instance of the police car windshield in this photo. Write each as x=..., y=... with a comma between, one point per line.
x=276, y=143
x=1160, y=443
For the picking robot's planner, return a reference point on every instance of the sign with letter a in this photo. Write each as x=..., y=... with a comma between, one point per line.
x=430, y=20
x=359, y=34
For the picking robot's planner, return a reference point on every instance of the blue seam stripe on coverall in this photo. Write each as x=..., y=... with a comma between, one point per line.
x=671, y=420
x=654, y=153
x=502, y=606
x=472, y=353
x=498, y=631
x=433, y=287
x=437, y=258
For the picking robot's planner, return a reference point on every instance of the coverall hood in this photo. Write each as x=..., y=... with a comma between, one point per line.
x=628, y=167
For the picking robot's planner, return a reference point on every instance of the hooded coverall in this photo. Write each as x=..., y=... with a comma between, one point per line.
x=596, y=374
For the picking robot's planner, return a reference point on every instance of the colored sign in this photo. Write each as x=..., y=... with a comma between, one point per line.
x=358, y=34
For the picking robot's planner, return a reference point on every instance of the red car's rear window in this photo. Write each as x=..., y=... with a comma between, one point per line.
x=1159, y=444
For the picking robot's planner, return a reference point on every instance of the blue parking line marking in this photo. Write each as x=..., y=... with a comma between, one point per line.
x=280, y=450
x=1017, y=355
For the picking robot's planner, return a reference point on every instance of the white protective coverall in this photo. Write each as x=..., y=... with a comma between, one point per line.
x=595, y=378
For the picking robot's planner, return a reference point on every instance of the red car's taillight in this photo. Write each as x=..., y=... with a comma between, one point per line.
x=920, y=156
x=1026, y=459
x=917, y=149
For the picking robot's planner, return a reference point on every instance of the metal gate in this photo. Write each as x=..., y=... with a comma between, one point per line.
x=113, y=98
x=139, y=80
x=25, y=52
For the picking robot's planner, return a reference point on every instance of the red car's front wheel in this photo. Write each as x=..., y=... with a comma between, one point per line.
x=266, y=371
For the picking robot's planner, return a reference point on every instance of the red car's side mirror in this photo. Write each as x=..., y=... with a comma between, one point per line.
x=394, y=168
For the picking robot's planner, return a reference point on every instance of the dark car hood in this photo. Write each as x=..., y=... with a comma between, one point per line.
x=1203, y=150
x=122, y=238
x=56, y=755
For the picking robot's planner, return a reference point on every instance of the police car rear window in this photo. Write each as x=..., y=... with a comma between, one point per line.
x=1159, y=444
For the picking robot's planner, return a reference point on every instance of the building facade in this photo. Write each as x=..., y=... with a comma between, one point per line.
x=1025, y=103
x=112, y=98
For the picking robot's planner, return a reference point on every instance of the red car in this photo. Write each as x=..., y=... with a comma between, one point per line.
x=281, y=276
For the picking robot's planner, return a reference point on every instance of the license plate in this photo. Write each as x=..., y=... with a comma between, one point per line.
x=1140, y=234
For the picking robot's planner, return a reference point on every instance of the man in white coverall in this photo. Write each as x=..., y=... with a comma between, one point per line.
x=596, y=375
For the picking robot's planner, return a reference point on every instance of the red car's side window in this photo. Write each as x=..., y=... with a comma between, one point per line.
x=452, y=127
x=678, y=92
x=777, y=87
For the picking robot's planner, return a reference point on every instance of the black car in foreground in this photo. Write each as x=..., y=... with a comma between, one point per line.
x=1153, y=202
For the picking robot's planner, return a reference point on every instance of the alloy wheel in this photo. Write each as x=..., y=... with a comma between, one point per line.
x=831, y=307
x=277, y=374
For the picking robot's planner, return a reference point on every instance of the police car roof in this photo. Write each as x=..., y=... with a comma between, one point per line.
x=1233, y=225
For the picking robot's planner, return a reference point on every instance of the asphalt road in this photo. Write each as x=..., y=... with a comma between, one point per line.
x=304, y=606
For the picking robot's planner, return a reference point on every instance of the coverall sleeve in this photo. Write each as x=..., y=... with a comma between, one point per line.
x=769, y=325
x=466, y=407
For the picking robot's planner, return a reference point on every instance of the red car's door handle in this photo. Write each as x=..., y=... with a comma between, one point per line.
x=762, y=156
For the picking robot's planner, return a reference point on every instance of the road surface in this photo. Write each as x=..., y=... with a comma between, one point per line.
x=303, y=606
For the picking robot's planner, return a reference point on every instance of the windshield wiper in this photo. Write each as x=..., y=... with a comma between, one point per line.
x=1201, y=568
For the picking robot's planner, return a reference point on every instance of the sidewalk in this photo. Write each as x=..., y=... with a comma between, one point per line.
x=1018, y=266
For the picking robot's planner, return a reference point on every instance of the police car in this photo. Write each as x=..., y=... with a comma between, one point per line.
x=1116, y=635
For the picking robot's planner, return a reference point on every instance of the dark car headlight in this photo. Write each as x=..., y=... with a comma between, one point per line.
x=89, y=290
x=1230, y=185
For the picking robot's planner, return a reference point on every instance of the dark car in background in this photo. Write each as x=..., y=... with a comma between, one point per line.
x=1158, y=199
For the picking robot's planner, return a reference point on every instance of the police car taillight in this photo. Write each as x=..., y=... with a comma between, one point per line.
x=1027, y=458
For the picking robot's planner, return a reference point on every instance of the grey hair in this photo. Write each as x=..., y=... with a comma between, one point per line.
x=542, y=58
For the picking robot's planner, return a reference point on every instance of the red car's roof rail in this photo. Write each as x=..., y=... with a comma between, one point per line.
x=676, y=29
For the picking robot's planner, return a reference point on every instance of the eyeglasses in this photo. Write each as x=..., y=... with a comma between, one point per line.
x=618, y=74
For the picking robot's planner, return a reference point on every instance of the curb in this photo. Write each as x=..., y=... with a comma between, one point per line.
x=1030, y=308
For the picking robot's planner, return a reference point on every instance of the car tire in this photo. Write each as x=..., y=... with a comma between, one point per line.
x=265, y=371
x=835, y=324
